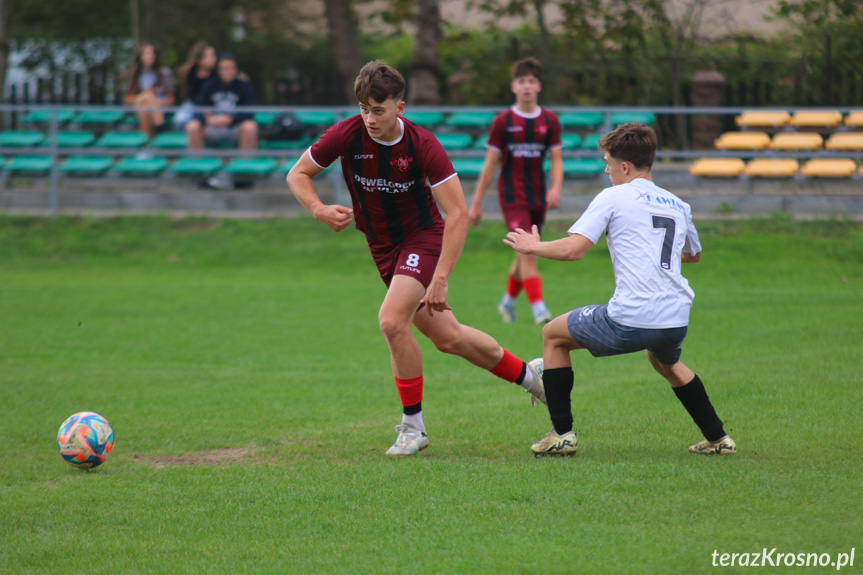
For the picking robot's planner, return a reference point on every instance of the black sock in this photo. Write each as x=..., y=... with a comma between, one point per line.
x=522, y=374
x=558, y=389
x=412, y=409
x=694, y=398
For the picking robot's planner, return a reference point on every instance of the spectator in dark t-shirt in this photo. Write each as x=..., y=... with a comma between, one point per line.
x=198, y=69
x=227, y=93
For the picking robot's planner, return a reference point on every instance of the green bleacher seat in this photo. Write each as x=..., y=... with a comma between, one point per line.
x=583, y=167
x=122, y=140
x=134, y=166
x=195, y=166
x=300, y=144
x=44, y=116
x=470, y=119
x=39, y=165
x=591, y=142
x=624, y=117
x=266, y=118
x=455, y=140
x=99, y=117
x=570, y=141
x=480, y=143
x=170, y=141
x=2, y=162
x=72, y=139
x=86, y=165
x=251, y=167
x=583, y=120
x=428, y=120
x=316, y=117
x=21, y=139
x=286, y=166
x=468, y=167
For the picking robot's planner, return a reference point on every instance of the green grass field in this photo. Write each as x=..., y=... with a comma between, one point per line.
x=242, y=368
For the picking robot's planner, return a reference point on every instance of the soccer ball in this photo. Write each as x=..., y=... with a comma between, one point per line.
x=85, y=439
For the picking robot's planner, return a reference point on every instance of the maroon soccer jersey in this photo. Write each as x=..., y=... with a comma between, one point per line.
x=523, y=143
x=387, y=181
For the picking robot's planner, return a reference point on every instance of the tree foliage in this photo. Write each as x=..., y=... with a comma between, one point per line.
x=608, y=52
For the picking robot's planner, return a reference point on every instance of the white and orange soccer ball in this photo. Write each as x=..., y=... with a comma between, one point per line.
x=85, y=439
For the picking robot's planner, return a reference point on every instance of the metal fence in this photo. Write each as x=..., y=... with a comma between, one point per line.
x=668, y=121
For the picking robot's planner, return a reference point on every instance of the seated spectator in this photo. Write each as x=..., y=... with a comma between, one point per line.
x=199, y=68
x=149, y=85
x=226, y=92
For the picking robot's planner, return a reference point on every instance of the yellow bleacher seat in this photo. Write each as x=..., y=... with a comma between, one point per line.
x=771, y=167
x=829, y=168
x=762, y=118
x=742, y=141
x=813, y=119
x=845, y=141
x=854, y=119
x=717, y=167
x=797, y=141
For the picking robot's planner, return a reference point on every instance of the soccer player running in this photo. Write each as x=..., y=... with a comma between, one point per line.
x=650, y=234
x=520, y=140
x=386, y=161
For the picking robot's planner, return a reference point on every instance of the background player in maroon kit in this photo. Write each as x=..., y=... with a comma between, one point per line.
x=387, y=161
x=520, y=140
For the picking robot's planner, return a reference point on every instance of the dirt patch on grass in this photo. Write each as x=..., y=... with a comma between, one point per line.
x=213, y=457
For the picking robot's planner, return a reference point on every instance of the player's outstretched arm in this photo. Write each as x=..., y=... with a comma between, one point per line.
x=689, y=258
x=565, y=249
x=299, y=180
x=492, y=157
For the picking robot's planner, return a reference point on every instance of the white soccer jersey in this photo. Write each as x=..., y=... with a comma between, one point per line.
x=647, y=229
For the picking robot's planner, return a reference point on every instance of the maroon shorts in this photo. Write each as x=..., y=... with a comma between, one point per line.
x=416, y=257
x=523, y=217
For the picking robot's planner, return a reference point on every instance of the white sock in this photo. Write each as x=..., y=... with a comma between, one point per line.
x=538, y=307
x=416, y=420
x=528, y=377
x=507, y=300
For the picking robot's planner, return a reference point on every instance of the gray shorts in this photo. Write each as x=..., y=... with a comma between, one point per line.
x=220, y=134
x=591, y=328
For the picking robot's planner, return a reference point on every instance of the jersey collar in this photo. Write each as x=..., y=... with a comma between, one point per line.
x=397, y=140
x=534, y=115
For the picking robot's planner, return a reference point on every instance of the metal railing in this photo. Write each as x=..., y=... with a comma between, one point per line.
x=55, y=152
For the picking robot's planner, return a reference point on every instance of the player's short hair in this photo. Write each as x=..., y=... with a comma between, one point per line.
x=228, y=57
x=632, y=142
x=379, y=81
x=527, y=67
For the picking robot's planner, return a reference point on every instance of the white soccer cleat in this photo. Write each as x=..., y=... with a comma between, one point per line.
x=553, y=444
x=724, y=446
x=536, y=389
x=542, y=317
x=507, y=312
x=411, y=440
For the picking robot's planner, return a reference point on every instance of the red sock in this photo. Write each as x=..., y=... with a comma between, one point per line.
x=513, y=287
x=410, y=390
x=533, y=289
x=509, y=368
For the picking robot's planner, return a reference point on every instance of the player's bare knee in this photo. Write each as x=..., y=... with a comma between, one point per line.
x=661, y=369
x=391, y=326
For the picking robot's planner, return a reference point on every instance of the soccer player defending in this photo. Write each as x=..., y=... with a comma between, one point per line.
x=386, y=161
x=520, y=139
x=649, y=233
